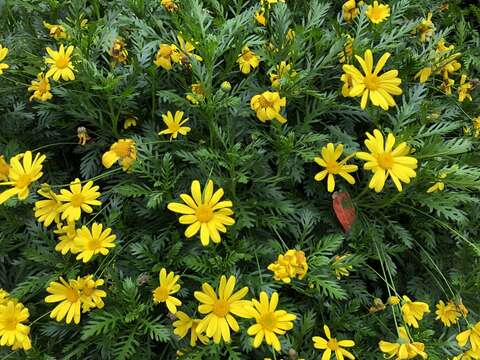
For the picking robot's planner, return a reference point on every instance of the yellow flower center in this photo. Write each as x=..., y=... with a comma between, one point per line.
x=23, y=181
x=10, y=322
x=87, y=291
x=43, y=86
x=77, y=200
x=204, y=213
x=62, y=62
x=264, y=103
x=333, y=167
x=247, y=56
x=72, y=295
x=371, y=81
x=94, y=243
x=385, y=160
x=377, y=13
x=221, y=307
x=268, y=321
x=174, y=127
x=123, y=149
x=161, y=294
x=332, y=344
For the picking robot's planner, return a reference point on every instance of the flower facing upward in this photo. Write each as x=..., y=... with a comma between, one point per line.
x=163, y=58
x=248, y=60
x=426, y=28
x=66, y=236
x=4, y=169
x=13, y=331
x=22, y=174
x=269, y=321
x=464, y=89
x=174, y=124
x=219, y=309
x=184, y=324
x=282, y=71
x=78, y=198
x=90, y=295
x=97, y=241
x=384, y=160
x=370, y=84
x=47, y=210
x=168, y=286
x=350, y=10
x=3, y=55
x=204, y=212
x=268, y=106
x=472, y=335
x=447, y=313
x=329, y=161
x=413, y=311
x=123, y=151
x=404, y=348
x=56, y=31
x=40, y=88
x=377, y=12
x=68, y=295
x=333, y=345
x=289, y=265
x=60, y=63
x=184, y=53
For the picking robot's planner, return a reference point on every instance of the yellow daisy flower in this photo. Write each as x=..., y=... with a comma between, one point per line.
x=92, y=242
x=60, y=63
x=40, y=88
x=329, y=161
x=377, y=12
x=350, y=10
x=247, y=60
x=124, y=151
x=13, y=331
x=289, y=265
x=47, y=211
x=68, y=295
x=184, y=324
x=197, y=95
x=130, y=122
x=379, y=87
x=163, y=58
x=425, y=29
x=78, y=198
x=448, y=313
x=333, y=345
x=204, y=212
x=260, y=17
x=3, y=55
x=464, y=89
x=67, y=234
x=169, y=5
x=384, y=160
x=413, y=311
x=90, y=295
x=471, y=335
x=218, y=310
x=269, y=321
x=168, y=286
x=22, y=174
x=174, y=124
x=404, y=348
x=4, y=169
x=56, y=31
x=184, y=52
x=283, y=71
x=268, y=106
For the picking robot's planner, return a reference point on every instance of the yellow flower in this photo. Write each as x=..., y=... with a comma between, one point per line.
x=247, y=60
x=218, y=310
x=289, y=265
x=472, y=335
x=384, y=160
x=174, y=124
x=467, y=355
x=40, y=88
x=423, y=74
x=404, y=348
x=413, y=311
x=426, y=28
x=56, y=31
x=439, y=185
x=92, y=242
x=3, y=55
x=184, y=53
x=67, y=234
x=377, y=306
x=464, y=89
x=186, y=323
x=60, y=63
x=350, y=10
x=3, y=296
x=204, y=212
x=169, y=5
x=269, y=321
x=347, y=52
x=268, y=106
x=393, y=300
x=47, y=211
x=340, y=268
x=447, y=313
x=118, y=52
x=168, y=286
x=123, y=151
x=82, y=135
x=447, y=85
x=4, y=169
x=13, y=331
x=68, y=295
x=78, y=198
x=130, y=121
x=197, y=95
x=163, y=58
x=260, y=17
x=290, y=34
x=377, y=12
x=283, y=71
x=347, y=86
x=329, y=161
x=333, y=345
x=90, y=295
x=22, y=174
x=379, y=87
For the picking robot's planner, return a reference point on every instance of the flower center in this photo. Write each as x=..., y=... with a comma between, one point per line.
x=62, y=62
x=94, y=244
x=247, y=56
x=268, y=321
x=43, y=86
x=123, y=149
x=377, y=13
x=333, y=167
x=161, y=294
x=174, y=127
x=77, y=200
x=23, y=181
x=72, y=295
x=332, y=344
x=10, y=322
x=264, y=103
x=204, y=213
x=385, y=160
x=371, y=81
x=221, y=307
x=87, y=291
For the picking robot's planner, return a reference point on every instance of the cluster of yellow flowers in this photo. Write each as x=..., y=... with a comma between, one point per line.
x=375, y=12
x=289, y=265
x=13, y=316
